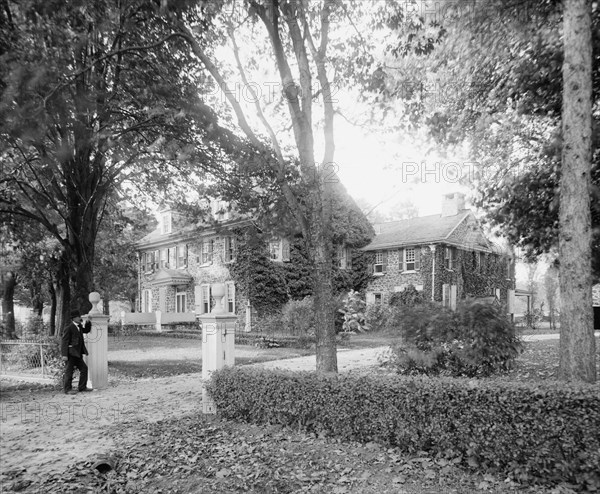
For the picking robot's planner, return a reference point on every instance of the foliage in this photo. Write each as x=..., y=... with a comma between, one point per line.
x=475, y=340
x=556, y=429
x=409, y=296
x=258, y=278
x=298, y=317
x=226, y=457
x=353, y=309
x=378, y=316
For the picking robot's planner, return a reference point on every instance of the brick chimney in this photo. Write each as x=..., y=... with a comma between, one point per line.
x=452, y=204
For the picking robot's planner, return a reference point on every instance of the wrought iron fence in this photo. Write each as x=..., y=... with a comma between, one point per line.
x=26, y=358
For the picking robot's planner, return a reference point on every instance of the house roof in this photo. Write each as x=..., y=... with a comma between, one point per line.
x=434, y=228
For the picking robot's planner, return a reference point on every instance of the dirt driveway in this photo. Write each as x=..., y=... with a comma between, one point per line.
x=44, y=432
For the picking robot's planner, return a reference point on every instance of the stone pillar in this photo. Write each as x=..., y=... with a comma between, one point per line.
x=158, y=321
x=96, y=341
x=218, y=342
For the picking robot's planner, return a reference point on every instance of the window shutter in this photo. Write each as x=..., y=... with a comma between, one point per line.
x=370, y=298
x=417, y=258
x=348, y=258
x=384, y=259
x=285, y=250
x=453, y=297
x=402, y=262
x=198, y=299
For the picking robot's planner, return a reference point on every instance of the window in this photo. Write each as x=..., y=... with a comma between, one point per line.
x=165, y=223
x=412, y=261
x=207, y=252
x=374, y=298
x=229, y=253
x=147, y=301
x=279, y=250
x=378, y=298
x=344, y=255
x=450, y=257
x=380, y=265
x=180, y=299
x=275, y=250
x=147, y=261
x=164, y=258
x=230, y=296
x=204, y=304
x=182, y=253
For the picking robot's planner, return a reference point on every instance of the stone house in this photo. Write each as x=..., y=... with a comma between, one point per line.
x=446, y=256
x=178, y=263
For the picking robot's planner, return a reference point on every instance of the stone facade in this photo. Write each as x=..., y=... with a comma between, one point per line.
x=178, y=265
x=456, y=260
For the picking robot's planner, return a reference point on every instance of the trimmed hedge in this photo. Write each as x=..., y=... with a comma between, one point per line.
x=548, y=433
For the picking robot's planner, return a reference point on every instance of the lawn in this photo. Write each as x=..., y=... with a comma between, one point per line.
x=142, y=357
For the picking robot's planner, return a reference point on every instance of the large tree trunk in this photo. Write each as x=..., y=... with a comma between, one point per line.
x=63, y=294
x=9, y=281
x=326, y=350
x=52, y=293
x=577, y=343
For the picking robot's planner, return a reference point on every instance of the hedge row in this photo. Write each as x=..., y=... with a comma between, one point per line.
x=550, y=433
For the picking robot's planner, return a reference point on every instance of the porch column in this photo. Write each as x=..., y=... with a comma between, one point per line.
x=432, y=248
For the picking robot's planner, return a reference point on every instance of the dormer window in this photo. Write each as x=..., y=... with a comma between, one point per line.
x=165, y=222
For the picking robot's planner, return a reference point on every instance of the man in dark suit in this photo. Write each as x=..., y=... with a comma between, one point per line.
x=72, y=350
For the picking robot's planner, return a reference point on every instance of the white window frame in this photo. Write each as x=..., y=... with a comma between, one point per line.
x=165, y=223
x=204, y=298
x=230, y=296
x=229, y=249
x=164, y=258
x=379, y=267
x=450, y=258
x=276, y=250
x=344, y=257
x=206, y=256
x=180, y=299
x=181, y=254
x=406, y=259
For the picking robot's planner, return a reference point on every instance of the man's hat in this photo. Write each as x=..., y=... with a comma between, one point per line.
x=75, y=313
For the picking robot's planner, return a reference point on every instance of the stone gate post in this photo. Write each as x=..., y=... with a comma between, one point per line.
x=218, y=342
x=96, y=342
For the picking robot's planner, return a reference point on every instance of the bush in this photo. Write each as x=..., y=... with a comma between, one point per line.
x=378, y=317
x=298, y=317
x=353, y=310
x=475, y=340
x=548, y=434
x=409, y=296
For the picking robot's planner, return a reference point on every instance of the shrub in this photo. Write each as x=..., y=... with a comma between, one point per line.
x=377, y=317
x=548, y=433
x=475, y=340
x=409, y=296
x=353, y=310
x=298, y=317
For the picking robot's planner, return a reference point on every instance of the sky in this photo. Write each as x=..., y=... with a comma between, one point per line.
x=384, y=170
